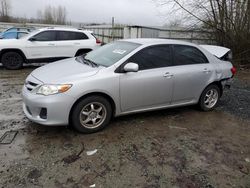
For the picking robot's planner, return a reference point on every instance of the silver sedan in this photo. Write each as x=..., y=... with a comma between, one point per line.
x=124, y=77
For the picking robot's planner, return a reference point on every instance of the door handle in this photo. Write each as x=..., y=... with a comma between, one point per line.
x=76, y=43
x=51, y=44
x=206, y=70
x=168, y=75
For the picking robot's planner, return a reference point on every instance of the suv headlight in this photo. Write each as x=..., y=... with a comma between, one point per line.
x=51, y=89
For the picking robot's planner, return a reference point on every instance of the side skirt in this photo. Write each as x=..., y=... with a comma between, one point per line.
x=193, y=102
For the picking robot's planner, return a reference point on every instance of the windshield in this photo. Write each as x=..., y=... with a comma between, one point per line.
x=109, y=54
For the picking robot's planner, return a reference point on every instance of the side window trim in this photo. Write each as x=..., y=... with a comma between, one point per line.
x=156, y=45
x=72, y=32
x=173, y=54
x=55, y=39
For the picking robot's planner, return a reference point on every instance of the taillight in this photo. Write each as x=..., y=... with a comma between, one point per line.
x=233, y=70
x=98, y=41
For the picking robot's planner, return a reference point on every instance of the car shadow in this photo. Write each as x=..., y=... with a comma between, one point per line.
x=26, y=66
x=126, y=121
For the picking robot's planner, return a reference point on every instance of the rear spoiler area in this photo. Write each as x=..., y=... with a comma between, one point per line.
x=220, y=52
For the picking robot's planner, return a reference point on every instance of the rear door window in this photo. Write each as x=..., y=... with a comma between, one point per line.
x=10, y=35
x=188, y=55
x=68, y=35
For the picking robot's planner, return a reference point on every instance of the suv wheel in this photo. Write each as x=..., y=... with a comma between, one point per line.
x=91, y=114
x=209, y=98
x=12, y=60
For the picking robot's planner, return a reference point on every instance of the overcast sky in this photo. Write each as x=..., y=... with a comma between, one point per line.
x=140, y=12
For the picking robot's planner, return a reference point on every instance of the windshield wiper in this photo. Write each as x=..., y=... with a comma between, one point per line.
x=81, y=59
x=91, y=62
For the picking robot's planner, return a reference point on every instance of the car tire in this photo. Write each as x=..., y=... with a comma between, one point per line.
x=91, y=114
x=12, y=60
x=209, y=98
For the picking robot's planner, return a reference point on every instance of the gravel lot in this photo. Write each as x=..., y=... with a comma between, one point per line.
x=180, y=147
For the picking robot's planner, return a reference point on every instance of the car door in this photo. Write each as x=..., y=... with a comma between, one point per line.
x=191, y=72
x=10, y=35
x=68, y=42
x=152, y=85
x=21, y=34
x=42, y=45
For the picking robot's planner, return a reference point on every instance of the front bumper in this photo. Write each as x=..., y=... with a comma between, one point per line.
x=47, y=110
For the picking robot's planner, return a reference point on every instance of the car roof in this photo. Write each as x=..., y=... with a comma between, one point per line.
x=64, y=29
x=22, y=28
x=16, y=32
x=18, y=27
x=150, y=41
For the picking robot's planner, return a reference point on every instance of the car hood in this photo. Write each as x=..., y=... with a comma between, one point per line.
x=10, y=43
x=64, y=71
x=218, y=51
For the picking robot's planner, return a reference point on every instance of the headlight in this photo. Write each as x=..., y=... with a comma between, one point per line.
x=49, y=89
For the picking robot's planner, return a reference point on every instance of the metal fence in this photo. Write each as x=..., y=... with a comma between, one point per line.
x=108, y=34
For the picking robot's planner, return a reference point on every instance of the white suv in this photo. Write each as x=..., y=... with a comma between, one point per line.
x=46, y=45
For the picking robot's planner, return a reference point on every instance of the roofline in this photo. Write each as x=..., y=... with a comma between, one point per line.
x=146, y=41
x=65, y=29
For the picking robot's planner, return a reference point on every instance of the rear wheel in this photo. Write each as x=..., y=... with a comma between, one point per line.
x=91, y=114
x=209, y=98
x=12, y=60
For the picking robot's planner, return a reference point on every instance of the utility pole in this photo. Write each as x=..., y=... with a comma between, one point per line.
x=113, y=25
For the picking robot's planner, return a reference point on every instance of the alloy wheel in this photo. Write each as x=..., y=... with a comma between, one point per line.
x=93, y=115
x=211, y=98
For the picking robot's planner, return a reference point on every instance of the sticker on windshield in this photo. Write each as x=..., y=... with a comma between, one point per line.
x=119, y=51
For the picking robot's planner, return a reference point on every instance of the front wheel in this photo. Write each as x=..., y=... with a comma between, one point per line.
x=91, y=114
x=12, y=60
x=209, y=98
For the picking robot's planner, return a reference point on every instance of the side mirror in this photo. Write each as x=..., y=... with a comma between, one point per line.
x=32, y=39
x=131, y=67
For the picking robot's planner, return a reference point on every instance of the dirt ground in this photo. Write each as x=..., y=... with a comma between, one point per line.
x=181, y=147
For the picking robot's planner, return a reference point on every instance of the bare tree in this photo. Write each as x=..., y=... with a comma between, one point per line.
x=61, y=15
x=48, y=15
x=53, y=15
x=5, y=10
x=39, y=16
x=228, y=21
x=174, y=24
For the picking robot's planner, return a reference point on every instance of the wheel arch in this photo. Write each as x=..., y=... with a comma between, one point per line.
x=102, y=94
x=13, y=50
x=218, y=83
